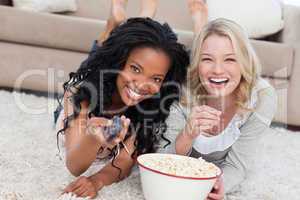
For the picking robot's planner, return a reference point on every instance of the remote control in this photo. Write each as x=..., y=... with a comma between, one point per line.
x=113, y=131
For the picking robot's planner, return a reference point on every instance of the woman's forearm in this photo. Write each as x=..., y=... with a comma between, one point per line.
x=110, y=174
x=183, y=143
x=81, y=147
x=85, y=148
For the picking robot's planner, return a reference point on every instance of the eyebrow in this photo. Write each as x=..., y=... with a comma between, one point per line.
x=160, y=75
x=228, y=54
x=136, y=63
x=140, y=66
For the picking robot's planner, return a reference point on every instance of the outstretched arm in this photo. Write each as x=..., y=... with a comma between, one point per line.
x=110, y=174
x=89, y=186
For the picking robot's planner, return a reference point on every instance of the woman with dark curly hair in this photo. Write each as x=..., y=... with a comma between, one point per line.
x=135, y=73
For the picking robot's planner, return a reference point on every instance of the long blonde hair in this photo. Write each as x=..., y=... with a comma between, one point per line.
x=246, y=57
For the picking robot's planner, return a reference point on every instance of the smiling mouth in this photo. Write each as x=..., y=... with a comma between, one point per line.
x=218, y=81
x=134, y=94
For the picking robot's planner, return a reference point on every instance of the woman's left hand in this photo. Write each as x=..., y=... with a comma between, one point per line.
x=82, y=187
x=217, y=192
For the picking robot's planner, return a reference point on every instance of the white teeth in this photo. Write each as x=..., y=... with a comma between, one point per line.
x=134, y=94
x=218, y=80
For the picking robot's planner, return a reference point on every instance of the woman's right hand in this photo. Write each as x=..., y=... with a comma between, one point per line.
x=217, y=192
x=201, y=120
x=95, y=126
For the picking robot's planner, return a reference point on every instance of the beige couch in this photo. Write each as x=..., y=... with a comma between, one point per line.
x=38, y=50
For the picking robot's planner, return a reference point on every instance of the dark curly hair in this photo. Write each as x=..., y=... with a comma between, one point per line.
x=112, y=55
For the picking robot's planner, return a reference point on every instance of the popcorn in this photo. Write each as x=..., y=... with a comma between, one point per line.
x=180, y=165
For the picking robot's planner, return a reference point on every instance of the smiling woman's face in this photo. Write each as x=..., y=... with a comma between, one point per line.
x=218, y=69
x=142, y=75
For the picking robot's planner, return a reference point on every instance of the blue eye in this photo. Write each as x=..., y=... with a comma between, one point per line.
x=135, y=69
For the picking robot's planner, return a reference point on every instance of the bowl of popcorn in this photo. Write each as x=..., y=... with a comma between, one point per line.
x=176, y=177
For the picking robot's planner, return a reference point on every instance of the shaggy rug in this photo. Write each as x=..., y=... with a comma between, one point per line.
x=30, y=168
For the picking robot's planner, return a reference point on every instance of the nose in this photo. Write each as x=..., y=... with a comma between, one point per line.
x=146, y=86
x=218, y=68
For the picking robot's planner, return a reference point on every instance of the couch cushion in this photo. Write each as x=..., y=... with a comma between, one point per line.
x=94, y=9
x=258, y=18
x=46, y=5
x=49, y=30
x=176, y=13
x=36, y=68
x=57, y=31
x=167, y=11
x=276, y=58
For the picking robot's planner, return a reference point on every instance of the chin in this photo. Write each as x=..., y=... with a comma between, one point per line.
x=220, y=90
x=219, y=93
x=131, y=103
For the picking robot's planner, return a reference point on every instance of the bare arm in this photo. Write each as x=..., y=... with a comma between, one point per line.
x=81, y=148
x=183, y=143
x=89, y=186
x=110, y=174
x=84, y=137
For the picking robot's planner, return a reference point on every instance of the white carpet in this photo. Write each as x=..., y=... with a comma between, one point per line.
x=30, y=169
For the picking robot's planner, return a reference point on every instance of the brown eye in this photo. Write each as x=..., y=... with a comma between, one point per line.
x=135, y=69
x=157, y=80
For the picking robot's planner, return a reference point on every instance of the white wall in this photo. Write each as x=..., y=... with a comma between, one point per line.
x=294, y=2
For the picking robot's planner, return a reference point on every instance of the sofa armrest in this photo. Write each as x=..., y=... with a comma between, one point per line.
x=293, y=97
x=291, y=31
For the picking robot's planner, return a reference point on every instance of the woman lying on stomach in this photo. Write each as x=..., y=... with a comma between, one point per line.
x=227, y=106
x=124, y=76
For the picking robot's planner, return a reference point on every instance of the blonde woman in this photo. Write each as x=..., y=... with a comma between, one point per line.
x=227, y=106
